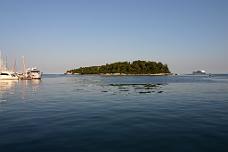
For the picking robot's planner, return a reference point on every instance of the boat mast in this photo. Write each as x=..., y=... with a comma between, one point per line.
x=2, y=65
x=14, y=66
x=0, y=60
x=23, y=62
x=6, y=64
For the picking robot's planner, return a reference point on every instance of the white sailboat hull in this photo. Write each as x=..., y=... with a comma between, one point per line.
x=8, y=76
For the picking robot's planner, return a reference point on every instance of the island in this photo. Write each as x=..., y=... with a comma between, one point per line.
x=125, y=68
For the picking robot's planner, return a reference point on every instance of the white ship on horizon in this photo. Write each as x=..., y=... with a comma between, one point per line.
x=199, y=72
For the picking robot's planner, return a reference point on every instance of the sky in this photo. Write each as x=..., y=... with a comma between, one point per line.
x=57, y=35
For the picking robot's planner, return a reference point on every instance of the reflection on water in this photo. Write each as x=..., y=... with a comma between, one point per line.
x=5, y=87
x=30, y=83
x=28, y=87
x=8, y=87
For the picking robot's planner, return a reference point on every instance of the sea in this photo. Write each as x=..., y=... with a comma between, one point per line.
x=92, y=113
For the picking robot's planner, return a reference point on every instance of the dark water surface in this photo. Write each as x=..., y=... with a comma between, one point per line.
x=115, y=114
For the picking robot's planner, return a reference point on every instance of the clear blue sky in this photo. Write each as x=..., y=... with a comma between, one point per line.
x=56, y=35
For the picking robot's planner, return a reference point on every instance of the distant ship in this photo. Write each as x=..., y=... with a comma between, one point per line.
x=199, y=72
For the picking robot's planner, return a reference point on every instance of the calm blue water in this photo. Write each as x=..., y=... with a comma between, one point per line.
x=115, y=114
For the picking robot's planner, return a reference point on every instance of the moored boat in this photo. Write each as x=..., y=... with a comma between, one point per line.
x=33, y=73
x=7, y=75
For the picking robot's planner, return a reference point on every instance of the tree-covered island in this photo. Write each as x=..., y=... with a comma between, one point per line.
x=125, y=68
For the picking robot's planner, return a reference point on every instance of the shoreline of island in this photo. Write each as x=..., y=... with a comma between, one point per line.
x=123, y=74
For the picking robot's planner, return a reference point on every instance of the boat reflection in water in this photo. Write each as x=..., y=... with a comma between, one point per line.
x=6, y=85
x=29, y=87
x=35, y=83
x=9, y=87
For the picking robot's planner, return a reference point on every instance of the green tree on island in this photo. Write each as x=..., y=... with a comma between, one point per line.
x=135, y=67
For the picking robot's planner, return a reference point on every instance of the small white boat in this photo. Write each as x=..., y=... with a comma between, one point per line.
x=7, y=75
x=33, y=73
x=199, y=72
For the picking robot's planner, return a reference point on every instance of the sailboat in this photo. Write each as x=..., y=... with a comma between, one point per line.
x=6, y=74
